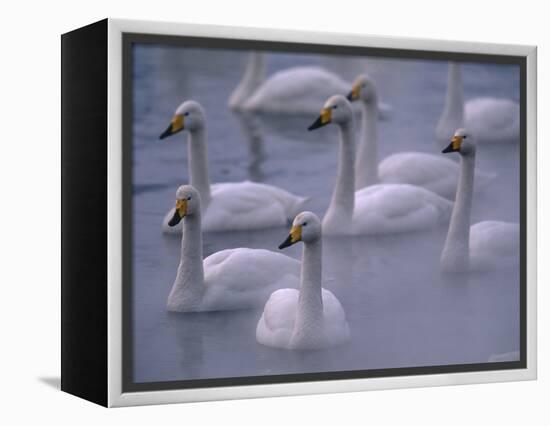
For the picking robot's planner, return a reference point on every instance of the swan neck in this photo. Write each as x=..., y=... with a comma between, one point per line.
x=189, y=284
x=309, y=313
x=456, y=253
x=341, y=207
x=454, y=100
x=367, y=155
x=198, y=164
x=254, y=73
x=253, y=77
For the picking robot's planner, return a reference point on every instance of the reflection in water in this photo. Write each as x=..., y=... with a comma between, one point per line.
x=189, y=343
x=401, y=310
x=252, y=133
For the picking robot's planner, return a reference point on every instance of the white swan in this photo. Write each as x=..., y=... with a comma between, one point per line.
x=492, y=120
x=429, y=171
x=485, y=245
x=295, y=90
x=311, y=317
x=227, y=206
x=229, y=279
x=377, y=209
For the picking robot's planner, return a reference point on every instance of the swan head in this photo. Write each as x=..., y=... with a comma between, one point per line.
x=362, y=89
x=188, y=116
x=462, y=142
x=306, y=227
x=337, y=109
x=188, y=203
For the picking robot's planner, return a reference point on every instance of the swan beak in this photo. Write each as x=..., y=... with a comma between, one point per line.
x=354, y=94
x=323, y=119
x=294, y=236
x=454, y=146
x=175, y=126
x=179, y=212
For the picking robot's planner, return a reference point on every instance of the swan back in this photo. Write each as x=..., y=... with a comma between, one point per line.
x=493, y=120
x=297, y=90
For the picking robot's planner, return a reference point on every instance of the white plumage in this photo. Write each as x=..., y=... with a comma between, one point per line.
x=311, y=317
x=493, y=244
x=485, y=245
x=297, y=90
x=236, y=278
x=429, y=171
x=234, y=206
x=241, y=206
x=376, y=209
x=493, y=120
x=242, y=277
x=393, y=208
x=277, y=323
x=436, y=174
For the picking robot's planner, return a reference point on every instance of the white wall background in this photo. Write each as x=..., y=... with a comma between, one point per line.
x=30, y=200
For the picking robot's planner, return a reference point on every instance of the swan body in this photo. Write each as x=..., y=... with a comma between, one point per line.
x=485, y=245
x=311, y=317
x=227, y=206
x=230, y=279
x=429, y=171
x=278, y=321
x=439, y=175
x=492, y=244
x=241, y=206
x=393, y=208
x=379, y=208
x=492, y=120
x=296, y=90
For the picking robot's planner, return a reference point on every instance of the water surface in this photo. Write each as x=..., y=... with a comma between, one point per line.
x=402, y=312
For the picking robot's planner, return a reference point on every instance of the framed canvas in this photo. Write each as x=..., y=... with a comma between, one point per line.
x=251, y=212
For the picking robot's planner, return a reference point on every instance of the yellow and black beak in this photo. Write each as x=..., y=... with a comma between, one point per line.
x=355, y=93
x=323, y=119
x=177, y=125
x=294, y=236
x=454, y=146
x=179, y=212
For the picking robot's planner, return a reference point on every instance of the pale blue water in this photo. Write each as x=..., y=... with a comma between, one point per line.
x=400, y=309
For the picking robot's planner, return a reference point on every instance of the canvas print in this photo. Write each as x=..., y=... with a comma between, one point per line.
x=296, y=214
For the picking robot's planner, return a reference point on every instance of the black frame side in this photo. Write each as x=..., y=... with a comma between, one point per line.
x=84, y=212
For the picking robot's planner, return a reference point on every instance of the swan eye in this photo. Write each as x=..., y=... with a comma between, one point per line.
x=304, y=224
x=464, y=137
x=186, y=114
x=335, y=106
x=188, y=198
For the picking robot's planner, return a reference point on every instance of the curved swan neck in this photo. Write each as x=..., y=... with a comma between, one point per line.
x=253, y=77
x=309, y=313
x=189, y=284
x=340, y=210
x=198, y=164
x=367, y=154
x=456, y=253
